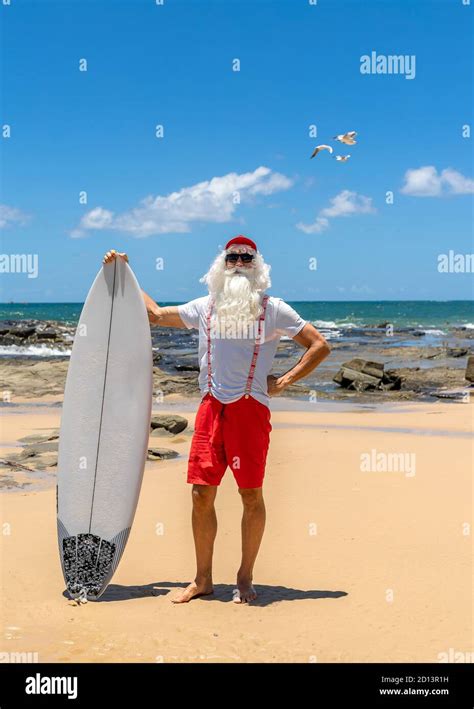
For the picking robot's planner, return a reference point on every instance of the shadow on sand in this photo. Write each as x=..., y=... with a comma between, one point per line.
x=222, y=593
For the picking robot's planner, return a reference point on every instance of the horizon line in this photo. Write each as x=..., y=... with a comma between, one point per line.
x=296, y=300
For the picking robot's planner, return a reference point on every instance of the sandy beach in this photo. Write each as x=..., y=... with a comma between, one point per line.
x=356, y=565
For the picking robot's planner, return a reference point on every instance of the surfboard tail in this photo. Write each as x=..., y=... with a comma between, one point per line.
x=89, y=561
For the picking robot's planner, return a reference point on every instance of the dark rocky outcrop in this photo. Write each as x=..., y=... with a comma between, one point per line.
x=161, y=454
x=364, y=375
x=470, y=369
x=172, y=423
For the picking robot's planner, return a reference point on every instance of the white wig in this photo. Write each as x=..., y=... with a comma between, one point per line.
x=238, y=291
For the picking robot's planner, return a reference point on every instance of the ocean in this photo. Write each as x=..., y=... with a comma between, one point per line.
x=351, y=321
x=332, y=315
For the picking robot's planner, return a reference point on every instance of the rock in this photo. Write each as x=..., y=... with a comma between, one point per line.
x=33, y=378
x=172, y=423
x=352, y=379
x=434, y=354
x=428, y=379
x=470, y=369
x=358, y=370
x=184, y=383
x=372, y=369
x=458, y=394
x=364, y=375
x=162, y=433
x=37, y=461
x=467, y=333
x=7, y=482
x=457, y=351
x=47, y=334
x=22, y=331
x=38, y=449
x=12, y=462
x=40, y=438
x=45, y=461
x=391, y=381
x=161, y=454
x=187, y=367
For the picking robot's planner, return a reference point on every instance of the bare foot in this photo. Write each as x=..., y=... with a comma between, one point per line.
x=193, y=591
x=244, y=592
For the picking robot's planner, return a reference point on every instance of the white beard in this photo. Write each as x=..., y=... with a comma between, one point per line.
x=238, y=298
x=237, y=292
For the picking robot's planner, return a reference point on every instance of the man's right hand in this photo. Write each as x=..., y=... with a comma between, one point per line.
x=112, y=254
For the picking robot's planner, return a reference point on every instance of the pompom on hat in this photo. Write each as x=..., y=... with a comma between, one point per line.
x=241, y=239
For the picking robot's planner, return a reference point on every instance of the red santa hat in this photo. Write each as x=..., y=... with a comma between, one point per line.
x=241, y=239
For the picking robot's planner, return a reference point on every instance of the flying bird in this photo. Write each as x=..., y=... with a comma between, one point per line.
x=342, y=158
x=347, y=138
x=318, y=148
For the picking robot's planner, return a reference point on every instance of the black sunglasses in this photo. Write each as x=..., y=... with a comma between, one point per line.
x=233, y=258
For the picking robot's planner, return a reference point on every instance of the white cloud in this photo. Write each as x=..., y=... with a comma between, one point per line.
x=344, y=204
x=214, y=200
x=427, y=182
x=422, y=182
x=12, y=215
x=319, y=225
x=347, y=203
x=97, y=218
x=457, y=182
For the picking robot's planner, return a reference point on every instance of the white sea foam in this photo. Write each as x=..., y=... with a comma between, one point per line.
x=434, y=332
x=349, y=325
x=329, y=324
x=328, y=329
x=32, y=350
x=328, y=334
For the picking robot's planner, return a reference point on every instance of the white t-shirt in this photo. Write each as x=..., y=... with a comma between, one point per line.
x=231, y=357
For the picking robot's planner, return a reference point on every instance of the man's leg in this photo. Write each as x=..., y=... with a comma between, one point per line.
x=253, y=525
x=204, y=522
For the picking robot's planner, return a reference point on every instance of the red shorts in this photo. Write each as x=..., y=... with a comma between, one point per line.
x=235, y=435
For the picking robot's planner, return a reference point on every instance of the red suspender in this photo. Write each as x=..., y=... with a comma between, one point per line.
x=209, y=378
x=256, y=349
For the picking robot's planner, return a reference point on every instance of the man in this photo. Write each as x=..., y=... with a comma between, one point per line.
x=239, y=330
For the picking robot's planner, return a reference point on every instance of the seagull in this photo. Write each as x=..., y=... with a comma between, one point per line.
x=342, y=158
x=321, y=147
x=347, y=138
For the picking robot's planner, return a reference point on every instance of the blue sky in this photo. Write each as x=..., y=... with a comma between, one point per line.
x=171, y=65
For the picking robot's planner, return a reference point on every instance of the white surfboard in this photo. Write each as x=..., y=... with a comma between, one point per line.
x=105, y=424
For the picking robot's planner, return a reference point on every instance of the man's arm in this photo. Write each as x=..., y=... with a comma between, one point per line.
x=317, y=349
x=164, y=317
